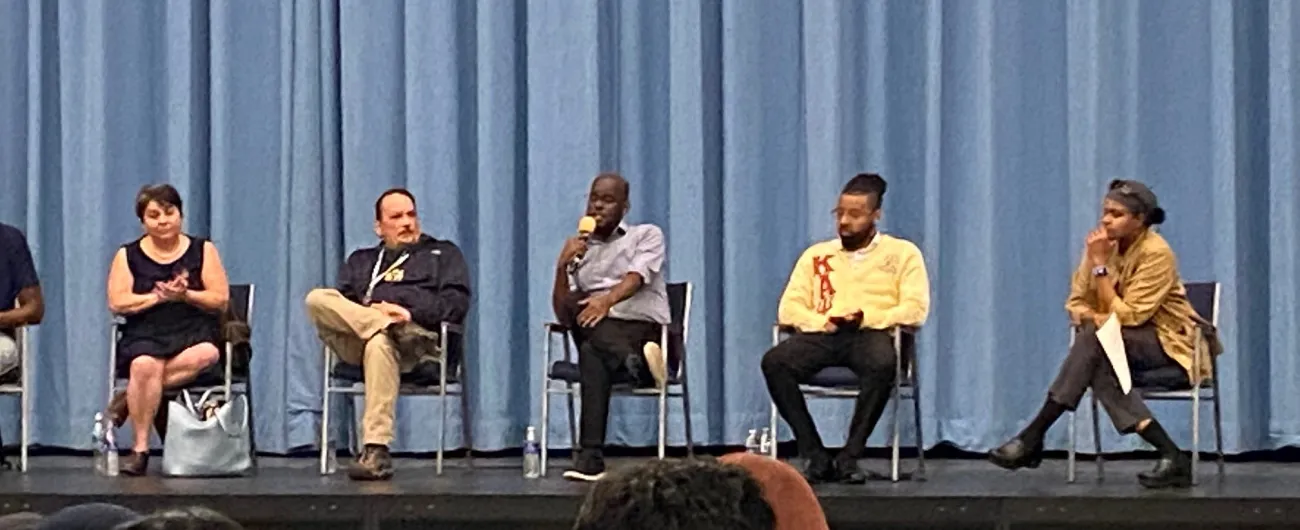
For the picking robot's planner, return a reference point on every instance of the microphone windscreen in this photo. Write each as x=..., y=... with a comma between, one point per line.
x=587, y=224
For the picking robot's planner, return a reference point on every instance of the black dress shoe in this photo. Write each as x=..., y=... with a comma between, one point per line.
x=820, y=468
x=1169, y=472
x=848, y=472
x=1015, y=454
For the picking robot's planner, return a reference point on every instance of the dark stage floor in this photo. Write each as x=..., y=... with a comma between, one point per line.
x=288, y=493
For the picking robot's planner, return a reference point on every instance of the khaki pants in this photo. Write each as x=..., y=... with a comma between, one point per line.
x=356, y=334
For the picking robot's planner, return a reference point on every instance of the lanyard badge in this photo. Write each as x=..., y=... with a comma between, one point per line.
x=376, y=276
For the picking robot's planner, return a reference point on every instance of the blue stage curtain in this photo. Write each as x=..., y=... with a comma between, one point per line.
x=997, y=124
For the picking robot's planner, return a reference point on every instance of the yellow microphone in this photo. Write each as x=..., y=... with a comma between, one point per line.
x=586, y=226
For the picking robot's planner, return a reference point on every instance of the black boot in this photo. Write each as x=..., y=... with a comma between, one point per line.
x=1174, y=469
x=1016, y=453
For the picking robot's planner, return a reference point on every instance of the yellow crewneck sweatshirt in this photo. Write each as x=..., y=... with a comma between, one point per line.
x=886, y=280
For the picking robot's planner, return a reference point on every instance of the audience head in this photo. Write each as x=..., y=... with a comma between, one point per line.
x=191, y=518
x=160, y=210
x=793, y=502
x=1129, y=207
x=607, y=201
x=676, y=495
x=396, y=222
x=859, y=209
x=91, y=516
x=21, y=521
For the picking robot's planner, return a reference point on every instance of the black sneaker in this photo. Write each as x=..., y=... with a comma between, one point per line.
x=374, y=463
x=590, y=466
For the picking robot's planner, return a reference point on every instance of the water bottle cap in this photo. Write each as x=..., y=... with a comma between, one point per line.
x=99, y=416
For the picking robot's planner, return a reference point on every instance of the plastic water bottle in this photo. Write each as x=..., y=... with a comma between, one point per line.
x=532, y=454
x=111, y=464
x=97, y=445
x=751, y=442
x=765, y=442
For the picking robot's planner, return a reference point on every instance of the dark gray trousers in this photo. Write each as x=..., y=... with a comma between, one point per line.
x=1087, y=366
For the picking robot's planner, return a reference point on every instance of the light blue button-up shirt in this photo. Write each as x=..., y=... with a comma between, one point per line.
x=631, y=248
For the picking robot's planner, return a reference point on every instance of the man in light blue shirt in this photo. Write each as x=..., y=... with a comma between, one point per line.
x=610, y=293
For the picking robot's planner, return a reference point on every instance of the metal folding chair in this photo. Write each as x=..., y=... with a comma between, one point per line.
x=349, y=380
x=840, y=382
x=1160, y=385
x=563, y=376
x=21, y=389
x=229, y=381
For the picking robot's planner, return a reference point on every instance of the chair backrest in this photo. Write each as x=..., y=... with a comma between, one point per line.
x=241, y=301
x=1204, y=297
x=679, y=309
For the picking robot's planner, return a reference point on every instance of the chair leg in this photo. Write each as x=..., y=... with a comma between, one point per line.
x=546, y=421
x=1196, y=434
x=686, y=411
x=772, y=429
x=663, y=422
x=1218, y=427
x=894, y=453
x=1096, y=441
x=920, y=439
x=325, y=448
x=1074, y=442
x=252, y=422
x=466, y=425
x=26, y=424
x=442, y=424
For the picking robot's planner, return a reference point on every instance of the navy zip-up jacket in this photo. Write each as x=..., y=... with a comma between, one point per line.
x=433, y=283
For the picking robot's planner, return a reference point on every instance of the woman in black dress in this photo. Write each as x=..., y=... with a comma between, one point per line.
x=171, y=289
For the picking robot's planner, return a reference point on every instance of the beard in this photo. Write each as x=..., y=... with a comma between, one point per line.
x=857, y=240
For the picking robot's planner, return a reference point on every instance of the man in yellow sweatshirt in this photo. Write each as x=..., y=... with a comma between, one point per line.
x=845, y=299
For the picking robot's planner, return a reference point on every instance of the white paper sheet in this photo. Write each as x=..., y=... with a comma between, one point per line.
x=1112, y=341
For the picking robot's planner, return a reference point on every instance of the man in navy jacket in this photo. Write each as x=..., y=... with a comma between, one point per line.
x=390, y=300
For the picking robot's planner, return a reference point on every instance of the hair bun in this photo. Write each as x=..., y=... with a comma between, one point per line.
x=1157, y=216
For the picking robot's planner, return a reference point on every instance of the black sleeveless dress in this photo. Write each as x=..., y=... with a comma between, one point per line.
x=166, y=329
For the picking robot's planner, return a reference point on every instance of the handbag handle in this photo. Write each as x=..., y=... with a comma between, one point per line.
x=243, y=427
x=192, y=406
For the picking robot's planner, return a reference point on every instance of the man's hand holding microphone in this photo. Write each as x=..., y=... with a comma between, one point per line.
x=576, y=247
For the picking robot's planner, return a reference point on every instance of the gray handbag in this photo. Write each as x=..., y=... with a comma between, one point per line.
x=200, y=443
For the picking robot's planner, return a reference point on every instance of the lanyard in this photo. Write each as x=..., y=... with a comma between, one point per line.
x=376, y=276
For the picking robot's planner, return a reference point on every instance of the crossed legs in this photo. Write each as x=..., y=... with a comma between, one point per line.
x=150, y=375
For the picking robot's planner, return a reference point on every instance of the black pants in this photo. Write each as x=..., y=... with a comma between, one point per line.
x=1087, y=366
x=869, y=353
x=608, y=353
